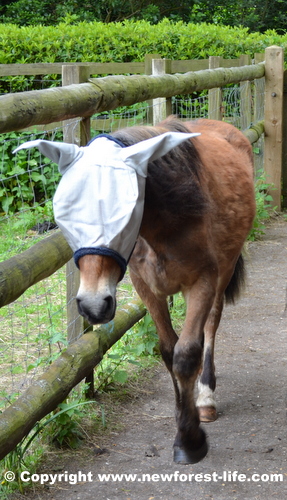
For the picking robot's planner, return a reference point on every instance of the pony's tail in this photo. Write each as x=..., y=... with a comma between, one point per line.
x=233, y=289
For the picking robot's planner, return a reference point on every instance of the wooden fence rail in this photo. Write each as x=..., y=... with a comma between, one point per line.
x=26, y=269
x=112, y=68
x=24, y=109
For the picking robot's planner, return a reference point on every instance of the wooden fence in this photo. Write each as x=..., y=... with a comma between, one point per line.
x=153, y=65
x=81, y=96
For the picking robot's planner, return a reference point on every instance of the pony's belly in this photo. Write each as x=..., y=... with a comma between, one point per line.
x=162, y=286
x=163, y=272
x=157, y=277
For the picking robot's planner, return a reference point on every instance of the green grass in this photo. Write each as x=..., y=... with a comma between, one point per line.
x=33, y=328
x=15, y=231
x=33, y=334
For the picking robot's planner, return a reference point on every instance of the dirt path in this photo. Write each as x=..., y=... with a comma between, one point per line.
x=251, y=434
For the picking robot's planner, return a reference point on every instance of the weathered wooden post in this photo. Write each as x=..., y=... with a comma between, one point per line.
x=215, y=95
x=162, y=106
x=76, y=132
x=273, y=120
x=284, y=149
x=245, y=97
x=259, y=91
x=148, y=71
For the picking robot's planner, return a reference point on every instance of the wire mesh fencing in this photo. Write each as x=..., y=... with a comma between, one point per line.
x=24, y=83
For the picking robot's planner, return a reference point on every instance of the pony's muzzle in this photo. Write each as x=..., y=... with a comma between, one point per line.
x=99, y=310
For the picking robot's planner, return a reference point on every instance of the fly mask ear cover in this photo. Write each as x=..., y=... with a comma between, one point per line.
x=99, y=202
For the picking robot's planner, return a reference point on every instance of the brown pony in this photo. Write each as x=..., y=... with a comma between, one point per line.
x=199, y=207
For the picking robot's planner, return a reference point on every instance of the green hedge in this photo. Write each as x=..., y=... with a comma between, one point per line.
x=128, y=41
x=120, y=42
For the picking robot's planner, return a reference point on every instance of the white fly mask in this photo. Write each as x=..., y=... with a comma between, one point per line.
x=99, y=202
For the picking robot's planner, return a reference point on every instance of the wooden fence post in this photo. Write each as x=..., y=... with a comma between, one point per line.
x=148, y=71
x=273, y=120
x=76, y=132
x=215, y=95
x=284, y=144
x=259, y=91
x=162, y=106
x=245, y=97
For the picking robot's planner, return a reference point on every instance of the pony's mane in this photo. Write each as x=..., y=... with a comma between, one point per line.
x=173, y=181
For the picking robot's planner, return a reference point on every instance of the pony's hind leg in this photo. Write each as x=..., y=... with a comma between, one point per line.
x=207, y=380
x=231, y=284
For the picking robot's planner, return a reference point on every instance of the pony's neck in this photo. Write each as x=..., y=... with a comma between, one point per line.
x=158, y=230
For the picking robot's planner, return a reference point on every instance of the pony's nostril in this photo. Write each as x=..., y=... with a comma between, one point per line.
x=109, y=302
x=79, y=302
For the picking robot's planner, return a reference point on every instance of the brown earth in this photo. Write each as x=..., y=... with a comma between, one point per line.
x=250, y=435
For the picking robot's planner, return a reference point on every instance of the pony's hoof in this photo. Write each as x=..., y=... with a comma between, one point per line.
x=207, y=414
x=184, y=456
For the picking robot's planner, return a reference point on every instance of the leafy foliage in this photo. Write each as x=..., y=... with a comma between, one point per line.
x=138, y=343
x=268, y=14
x=259, y=16
x=62, y=427
x=23, y=184
x=264, y=207
x=127, y=41
x=25, y=12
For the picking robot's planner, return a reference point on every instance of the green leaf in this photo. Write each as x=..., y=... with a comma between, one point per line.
x=6, y=203
x=121, y=376
x=36, y=177
x=17, y=369
x=133, y=362
x=114, y=356
x=58, y=337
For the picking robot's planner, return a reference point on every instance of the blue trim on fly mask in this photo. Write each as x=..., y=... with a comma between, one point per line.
x=106, y=252
x=110, y=137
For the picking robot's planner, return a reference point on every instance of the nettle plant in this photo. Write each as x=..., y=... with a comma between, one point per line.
x=23, y=182
x=264, y=207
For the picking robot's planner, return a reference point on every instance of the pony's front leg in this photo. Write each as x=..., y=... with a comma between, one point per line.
x=190, y=444
x=158, y=309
